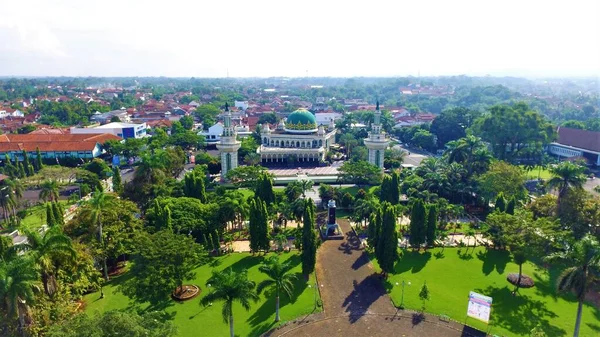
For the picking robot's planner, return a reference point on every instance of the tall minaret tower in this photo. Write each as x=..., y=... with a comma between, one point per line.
x=377, y=142
x=228, y=145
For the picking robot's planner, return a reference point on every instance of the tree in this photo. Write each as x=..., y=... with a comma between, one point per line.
x=387, y=244
x=374, y=229
x=424, y=294
x=92, y=210
x=583, y=259
x=113, y=322
x=49, y=190
x=50, y=220
x=432, y=215
x=360, y=173
x=510, y=207
x=259, y=234
x=26, y=165
x=18, y=282
x=279, y=279
x=246, y=176
x=269, y=117
x=512, y=129
x=57, y=211
x=229, y=286
x=519, y=257
x=566, y=176
x=500, y=204
x=187, y=122
x=451, y=125
x=164, y=261
x=117, y=185
x=207, y=113
x=417, y=224
x=99, y=167
x=264, y=189
x=424, y=140
x=193, y=186
x=505, y=178
x=309, y=239
x=48, y=251
x=215, y=242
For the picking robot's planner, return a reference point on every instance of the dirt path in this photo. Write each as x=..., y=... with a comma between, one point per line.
x=355, y=302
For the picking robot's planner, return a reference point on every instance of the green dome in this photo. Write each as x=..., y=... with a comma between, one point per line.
x=301, y=116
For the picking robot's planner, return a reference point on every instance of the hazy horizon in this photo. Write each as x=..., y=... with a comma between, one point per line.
x=241, y=39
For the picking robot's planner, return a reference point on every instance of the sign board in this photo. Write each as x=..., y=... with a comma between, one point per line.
x=479, y=306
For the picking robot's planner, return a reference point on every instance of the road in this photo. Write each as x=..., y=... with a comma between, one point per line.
x=414, y=156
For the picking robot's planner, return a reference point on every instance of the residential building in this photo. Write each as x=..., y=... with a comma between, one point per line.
x=576, y=143
x=53, y=145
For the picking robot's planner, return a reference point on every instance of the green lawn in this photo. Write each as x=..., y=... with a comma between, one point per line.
x=36, y=216
x=194, y=320
x=451, y=273
x=533, y=174
x=354, y=189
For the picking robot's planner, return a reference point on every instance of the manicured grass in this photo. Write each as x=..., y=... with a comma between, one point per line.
x=451, y=273
x=192, y=319
x=533, y=174
x=35, y=218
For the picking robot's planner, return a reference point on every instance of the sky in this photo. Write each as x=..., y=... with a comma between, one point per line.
x=242, y=38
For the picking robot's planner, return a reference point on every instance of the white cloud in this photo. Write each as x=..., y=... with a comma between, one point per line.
x=327, y=38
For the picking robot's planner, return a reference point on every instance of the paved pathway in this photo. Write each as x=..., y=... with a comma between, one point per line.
x=355, y=302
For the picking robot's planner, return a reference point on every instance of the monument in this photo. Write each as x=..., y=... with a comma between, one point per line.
x=229, y=145
x=377, y=141
x=333, y=229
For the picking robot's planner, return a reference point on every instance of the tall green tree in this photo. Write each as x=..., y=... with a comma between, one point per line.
x=279, y=279
x=27, y=165
x=264, y=189
x=500, y=204
x=259, y=233
x=50, y=220
x=38, y=159
x=92, y=211
x=48, y=251
x=387, y=245
x=193, y=186
x=583, y=261
x=374, y=229
x=432, y=216
x=18, y=283
x=309, y=239
x=566, y=176
x=510, y=207
x=417, y=224
x=49, y=190
x=117, y=184
x=229, y=286
x=58, y=213
x=360, y=173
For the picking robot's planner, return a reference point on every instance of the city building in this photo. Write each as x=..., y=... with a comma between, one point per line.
x=213, y=134
x=53, y=145
x=377, y=141
x=299, y=138
x=575, y=144
x=123, y=130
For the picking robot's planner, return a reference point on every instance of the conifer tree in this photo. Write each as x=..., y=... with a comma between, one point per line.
x=387, y=245
x=259, y=234
x=500, y=203
x=417, y=224
x=309, y=239
x=38, y=159
x=264, y=189
x=374, y=228
x=167, y=221
x=385, y=189
x=116, y=180
x=49, y=215
x=395, y=188
x=263, y=228
x=26, y=165
x=215, y=239
x=431, y=225
x=57, y=214
x=21, y=169
x=510, y=207
x=193, y=186
x=205, y=241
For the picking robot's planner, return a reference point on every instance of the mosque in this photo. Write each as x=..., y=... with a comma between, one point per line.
x=299, y=139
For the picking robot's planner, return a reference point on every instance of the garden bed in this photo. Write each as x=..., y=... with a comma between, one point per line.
x=187, y=292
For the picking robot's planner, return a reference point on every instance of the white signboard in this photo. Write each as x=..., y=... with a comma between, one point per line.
x=479, y=306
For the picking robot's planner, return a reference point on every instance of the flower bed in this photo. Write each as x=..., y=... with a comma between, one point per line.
x=187, y=292
x=526, y=281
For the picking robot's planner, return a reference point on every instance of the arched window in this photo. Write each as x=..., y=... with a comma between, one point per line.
x=297, y=144
x=265, y=141
x=228, y=162
x=272, y=142
x=277, y=143
x=377, y=159
x=320, y=142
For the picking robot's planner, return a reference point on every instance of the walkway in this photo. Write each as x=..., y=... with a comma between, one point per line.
x=355, y=302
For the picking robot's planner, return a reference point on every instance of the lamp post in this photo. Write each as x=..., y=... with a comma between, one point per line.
x=402, y=300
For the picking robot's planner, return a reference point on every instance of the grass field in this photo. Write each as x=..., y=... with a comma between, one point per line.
x=192, y=319
x=533, y=174
x=451, y=273
x=36, y=216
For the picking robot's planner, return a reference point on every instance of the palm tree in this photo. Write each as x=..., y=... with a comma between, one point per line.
x=92, y=211
x=305, y=185
x=519, y=258
x=566, y=175
x=18, y=281
x=583, y=259
x=49, y=190
x=252, y=159
x=48, y=250
x=229, y=286
x=279, y=279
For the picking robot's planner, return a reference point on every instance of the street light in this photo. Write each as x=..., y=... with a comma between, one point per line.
x=402, y=300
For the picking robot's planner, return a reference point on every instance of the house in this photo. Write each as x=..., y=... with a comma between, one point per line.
x=103, y=118
x=123, y=130
x=213, y=134
x=574, y=143
x=53, y=145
